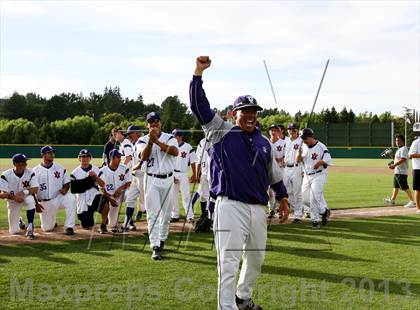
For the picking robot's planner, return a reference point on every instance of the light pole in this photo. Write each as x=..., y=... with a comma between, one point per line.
x=407, y=112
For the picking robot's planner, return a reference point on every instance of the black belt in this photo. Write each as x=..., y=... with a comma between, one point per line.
x=177, y=170
x=315, y=172
x=290, y=166
x=44, y=200
x=160, y=176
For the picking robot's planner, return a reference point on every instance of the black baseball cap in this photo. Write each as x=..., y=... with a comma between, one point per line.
x=246, y=101
x=133, y=128
x=19, y=158
x=115, y=153
x=292, y=126
x=84, y=153
x=152, y=116
x=307, y=132
x=273, y=126
x=177, y=132
x=46, y=149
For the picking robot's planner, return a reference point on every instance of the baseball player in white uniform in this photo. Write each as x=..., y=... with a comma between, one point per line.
x=293, y=172
x=84, y=180
x=126, y=149
x=18, y=185
x=414, y=154
x=159, y=150
x=278, y=145
x=316, y=158
x=203, y=175
x=115, y=180
x=185, y=159
x=53, y=192
x=135, y=193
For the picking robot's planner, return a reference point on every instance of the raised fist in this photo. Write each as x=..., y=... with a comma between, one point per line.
x=202, y=63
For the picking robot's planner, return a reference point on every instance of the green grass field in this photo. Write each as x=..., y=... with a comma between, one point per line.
x=352, y=264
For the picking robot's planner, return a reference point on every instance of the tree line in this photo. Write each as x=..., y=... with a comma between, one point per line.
x=70, y=118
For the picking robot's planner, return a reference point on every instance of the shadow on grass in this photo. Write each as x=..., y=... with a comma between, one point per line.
x=345, y=279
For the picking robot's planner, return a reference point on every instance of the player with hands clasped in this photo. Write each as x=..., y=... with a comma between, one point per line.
x=316, y=158
x=242, y=169
x=18, y=185
x=53, y=192
x=159, y=151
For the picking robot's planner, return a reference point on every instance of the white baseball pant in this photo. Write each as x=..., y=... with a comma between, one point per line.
x=49, y=214
x=313, y=194
x=115, y=211
x=136, y=193
x=293, y=182
x=239, y=228
x=14, y=211
x=204, y=188
x=183, y=186
x=158, y=201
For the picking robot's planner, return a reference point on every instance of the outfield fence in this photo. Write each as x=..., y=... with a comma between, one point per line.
x=71, y=151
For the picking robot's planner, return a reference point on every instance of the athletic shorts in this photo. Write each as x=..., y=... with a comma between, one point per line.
x=86, y=218
x=400, y=181
x=416, y=179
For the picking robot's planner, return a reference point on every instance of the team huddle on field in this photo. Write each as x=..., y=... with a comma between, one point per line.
x=124, y=174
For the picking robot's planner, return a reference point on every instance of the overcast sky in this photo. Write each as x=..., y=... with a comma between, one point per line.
x=149, y=48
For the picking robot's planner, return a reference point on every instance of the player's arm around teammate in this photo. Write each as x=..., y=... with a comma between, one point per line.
x=18, y=185
x=84, y=180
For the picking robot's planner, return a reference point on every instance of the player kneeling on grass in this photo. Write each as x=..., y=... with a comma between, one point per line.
x=18, y=185
x=115, y=179
x=316, y=158
x=84, y=180
x=53, y=192
x=400, y=167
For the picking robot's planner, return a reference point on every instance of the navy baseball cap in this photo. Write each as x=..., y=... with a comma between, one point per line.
x=115, y=153
x=46, y=149
x=292, y=126
x=273, y=126
x=177, y=132
x=152, y=116
x=133, y=128
x=245, y=102
x=19, y=158
x=307, y=132
x=84, y=153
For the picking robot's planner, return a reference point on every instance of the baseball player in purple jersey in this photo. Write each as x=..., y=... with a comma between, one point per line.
x=243, y=167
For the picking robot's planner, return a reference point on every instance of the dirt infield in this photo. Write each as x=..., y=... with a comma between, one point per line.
x=81, y=234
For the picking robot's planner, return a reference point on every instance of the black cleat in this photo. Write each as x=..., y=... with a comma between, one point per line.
x=30, y=235
x=316, y=225
x=271, y=214
x=69, y=231
x=162, y=245
x=22, y=225
x=308, y=215
x=138, y=216
x=297, y=221
x=325, y=217
x=247, y=304
x=123, y=230
x=103, y=229
x=114, y=230
x=132, y=227
x=156, y=255
x=190, y=220
x=174, y=219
